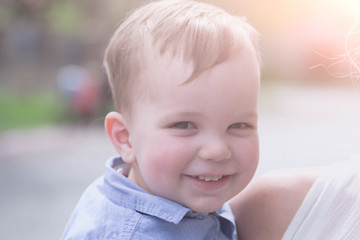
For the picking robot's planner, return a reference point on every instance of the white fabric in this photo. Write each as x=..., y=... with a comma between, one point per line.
x=331, y=209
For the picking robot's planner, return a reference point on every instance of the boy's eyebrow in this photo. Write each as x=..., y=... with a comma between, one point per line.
x=188, y=114
x=171, y=116
x=249, y=115
x=245, y=116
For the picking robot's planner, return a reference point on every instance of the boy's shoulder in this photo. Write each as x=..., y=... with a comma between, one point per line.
x=266, y=207
x=95, y=217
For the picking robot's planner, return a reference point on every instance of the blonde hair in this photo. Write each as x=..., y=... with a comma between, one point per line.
x=205, y=35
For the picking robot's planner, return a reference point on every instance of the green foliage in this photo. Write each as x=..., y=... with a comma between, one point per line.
x=65, y=17
x=4, y=17
x=28, y=110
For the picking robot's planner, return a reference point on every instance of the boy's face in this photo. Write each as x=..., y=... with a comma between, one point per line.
x=197, y=143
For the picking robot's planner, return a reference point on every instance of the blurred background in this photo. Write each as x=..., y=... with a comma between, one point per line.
x=54, y=96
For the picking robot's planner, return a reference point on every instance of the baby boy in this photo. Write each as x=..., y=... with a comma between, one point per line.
x=185, y=78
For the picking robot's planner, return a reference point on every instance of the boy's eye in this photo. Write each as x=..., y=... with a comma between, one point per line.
x=183, y=125
x=239, y=125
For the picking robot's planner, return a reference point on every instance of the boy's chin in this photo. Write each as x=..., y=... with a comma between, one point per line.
x=205, y=208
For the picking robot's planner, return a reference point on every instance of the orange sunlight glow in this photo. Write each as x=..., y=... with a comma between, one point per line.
x=298, y=35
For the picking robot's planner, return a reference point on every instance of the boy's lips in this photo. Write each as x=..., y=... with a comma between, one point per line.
x=208, y=182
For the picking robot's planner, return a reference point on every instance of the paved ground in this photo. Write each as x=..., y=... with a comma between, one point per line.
x=41, y=174
x=44, y=171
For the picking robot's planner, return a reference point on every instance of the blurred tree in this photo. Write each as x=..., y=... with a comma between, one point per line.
x=65, y=17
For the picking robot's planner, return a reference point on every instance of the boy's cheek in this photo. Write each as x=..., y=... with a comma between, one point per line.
x=164, y=158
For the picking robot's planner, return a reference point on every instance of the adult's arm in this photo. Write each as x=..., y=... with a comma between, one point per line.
x=266, y=207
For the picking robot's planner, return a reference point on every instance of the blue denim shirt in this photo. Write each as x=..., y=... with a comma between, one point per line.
x=113, y=207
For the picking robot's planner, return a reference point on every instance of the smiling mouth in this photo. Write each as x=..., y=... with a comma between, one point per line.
x=209, y=178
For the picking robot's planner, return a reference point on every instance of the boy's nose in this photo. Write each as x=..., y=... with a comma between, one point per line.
x=215, y=150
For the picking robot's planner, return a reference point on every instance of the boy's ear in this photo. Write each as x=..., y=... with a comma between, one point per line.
x=119, y=135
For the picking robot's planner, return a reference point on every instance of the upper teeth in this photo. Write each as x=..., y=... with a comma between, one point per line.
x=210, y=178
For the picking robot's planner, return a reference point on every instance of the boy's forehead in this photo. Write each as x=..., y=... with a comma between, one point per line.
x=165, y=78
